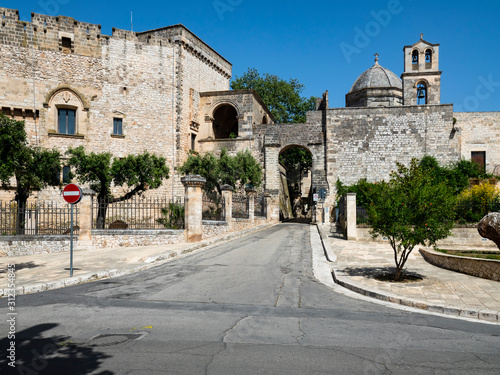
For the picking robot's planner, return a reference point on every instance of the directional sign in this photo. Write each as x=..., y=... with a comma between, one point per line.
x=72, y=193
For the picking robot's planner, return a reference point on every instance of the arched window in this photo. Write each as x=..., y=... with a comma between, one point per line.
x=428, y=56
x=264, y=120
x=414, y=58
x=225, y=122
x=421, y=94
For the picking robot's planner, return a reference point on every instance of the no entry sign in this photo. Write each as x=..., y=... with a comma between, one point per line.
x=72, y=193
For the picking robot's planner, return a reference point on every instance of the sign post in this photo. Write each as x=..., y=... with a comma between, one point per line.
x=72, y=194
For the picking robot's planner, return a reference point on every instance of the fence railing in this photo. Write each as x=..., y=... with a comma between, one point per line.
x=138, y=213
x=362, y=216
x=240, y=207
x=260, y=206
x=213, y=207
x=37, y=218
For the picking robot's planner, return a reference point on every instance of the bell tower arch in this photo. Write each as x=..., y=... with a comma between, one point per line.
x=421, y=77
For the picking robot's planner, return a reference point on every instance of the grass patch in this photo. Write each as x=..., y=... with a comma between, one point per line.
x=472, y=254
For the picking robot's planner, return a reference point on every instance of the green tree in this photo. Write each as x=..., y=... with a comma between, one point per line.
x=240, y=169
x=281, y=97
x=33, y=168
x=456, y=175
x=100, y=171
x=296, y=158
x=411, y=210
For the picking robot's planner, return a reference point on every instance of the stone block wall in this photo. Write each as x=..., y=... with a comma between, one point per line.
x=132, y=238
x=129, y=75
x=480, y=131
x=30, y=245
x=367, y=142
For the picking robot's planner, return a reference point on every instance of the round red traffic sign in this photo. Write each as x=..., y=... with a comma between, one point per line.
x=72, y=193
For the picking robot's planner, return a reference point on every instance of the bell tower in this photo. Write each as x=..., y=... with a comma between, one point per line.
x=422, y=77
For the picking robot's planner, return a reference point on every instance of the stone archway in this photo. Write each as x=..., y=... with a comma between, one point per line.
x=225, y=123
x=280, y=137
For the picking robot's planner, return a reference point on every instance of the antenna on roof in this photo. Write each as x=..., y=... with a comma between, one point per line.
x=131, y=21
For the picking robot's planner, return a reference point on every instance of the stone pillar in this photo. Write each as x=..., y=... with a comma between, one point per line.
x=227, y=194
x=351, y=216
x=267, y=200
x=85, y=219
x=251, y=193
x=193, y=205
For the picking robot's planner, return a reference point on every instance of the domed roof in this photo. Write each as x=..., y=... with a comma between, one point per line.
x=377, y=77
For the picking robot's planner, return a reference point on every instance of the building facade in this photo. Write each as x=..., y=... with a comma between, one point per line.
x=166, y=91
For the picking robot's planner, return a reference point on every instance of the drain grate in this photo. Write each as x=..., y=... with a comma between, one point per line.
x=109, y=339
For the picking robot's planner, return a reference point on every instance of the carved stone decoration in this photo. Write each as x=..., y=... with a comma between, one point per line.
x=489, y=227
x=66, y=96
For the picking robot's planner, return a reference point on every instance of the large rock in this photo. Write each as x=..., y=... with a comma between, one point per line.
x=489, y=227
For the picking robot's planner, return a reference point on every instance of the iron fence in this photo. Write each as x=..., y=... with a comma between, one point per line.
x=260, y=206
x=213, y=207
x=138, y=213
x=362, y=216
x=37, y=218
x=240, y=207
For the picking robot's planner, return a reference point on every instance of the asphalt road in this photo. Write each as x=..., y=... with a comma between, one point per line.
x=249, y=306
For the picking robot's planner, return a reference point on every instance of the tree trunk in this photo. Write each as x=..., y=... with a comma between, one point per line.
x=21, y=214
x=102, y=208
x=399, y=274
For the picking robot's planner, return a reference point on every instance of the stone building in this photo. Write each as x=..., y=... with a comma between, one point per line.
x=166, y=91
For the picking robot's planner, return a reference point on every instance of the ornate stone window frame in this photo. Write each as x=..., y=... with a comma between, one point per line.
x=65, y=98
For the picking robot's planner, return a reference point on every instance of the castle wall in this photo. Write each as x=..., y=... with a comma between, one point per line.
x=127, y=75
x=480, y=131
x=367, y=142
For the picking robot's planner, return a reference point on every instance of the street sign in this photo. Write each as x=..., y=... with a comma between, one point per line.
x=315, y=197
x=72, y=193
x=322, y=194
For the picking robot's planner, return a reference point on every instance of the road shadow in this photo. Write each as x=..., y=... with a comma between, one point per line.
x=382, y=273
x=298, y=220
x=20, y=266
x=36, y=353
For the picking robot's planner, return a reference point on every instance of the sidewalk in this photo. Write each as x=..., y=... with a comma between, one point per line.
x=354, y=265
x=36, y=273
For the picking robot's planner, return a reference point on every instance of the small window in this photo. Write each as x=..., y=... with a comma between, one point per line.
x=193, y=141
x=66, y=121
x=65, y=175
x=117, y=126
x=66, y=42
x=479, y=157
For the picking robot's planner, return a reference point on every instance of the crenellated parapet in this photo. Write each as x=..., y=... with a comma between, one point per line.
x=67, y=35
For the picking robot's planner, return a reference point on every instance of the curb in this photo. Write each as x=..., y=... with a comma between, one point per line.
x=340, y=279
x=148, y=263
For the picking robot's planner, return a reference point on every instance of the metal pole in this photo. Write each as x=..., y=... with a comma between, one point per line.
x=71, y=245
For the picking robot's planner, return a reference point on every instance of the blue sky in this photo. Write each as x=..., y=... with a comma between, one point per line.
x=307, y=40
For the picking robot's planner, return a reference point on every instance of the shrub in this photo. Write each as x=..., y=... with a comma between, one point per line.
x=173, y=216
x=475, y=203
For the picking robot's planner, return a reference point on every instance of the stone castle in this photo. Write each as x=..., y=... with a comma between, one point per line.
x=166, y=91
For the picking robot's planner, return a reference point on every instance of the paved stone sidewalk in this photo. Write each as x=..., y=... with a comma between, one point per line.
x=355, y=264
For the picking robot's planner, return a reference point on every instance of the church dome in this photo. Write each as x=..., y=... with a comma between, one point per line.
x=376, y=77
x=376, y=87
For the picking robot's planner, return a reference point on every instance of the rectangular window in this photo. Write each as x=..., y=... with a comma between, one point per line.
x=65, y=175
x=117, y=126
x=193, y=141
x=66, y=42
x=66, y=120
x=479, y=157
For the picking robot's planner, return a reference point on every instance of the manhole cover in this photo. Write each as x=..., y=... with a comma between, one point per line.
x=109, y=339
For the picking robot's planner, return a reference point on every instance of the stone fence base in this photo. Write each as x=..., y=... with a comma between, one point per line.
x=30, y=245
x=103, y=238
x=460, y=236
